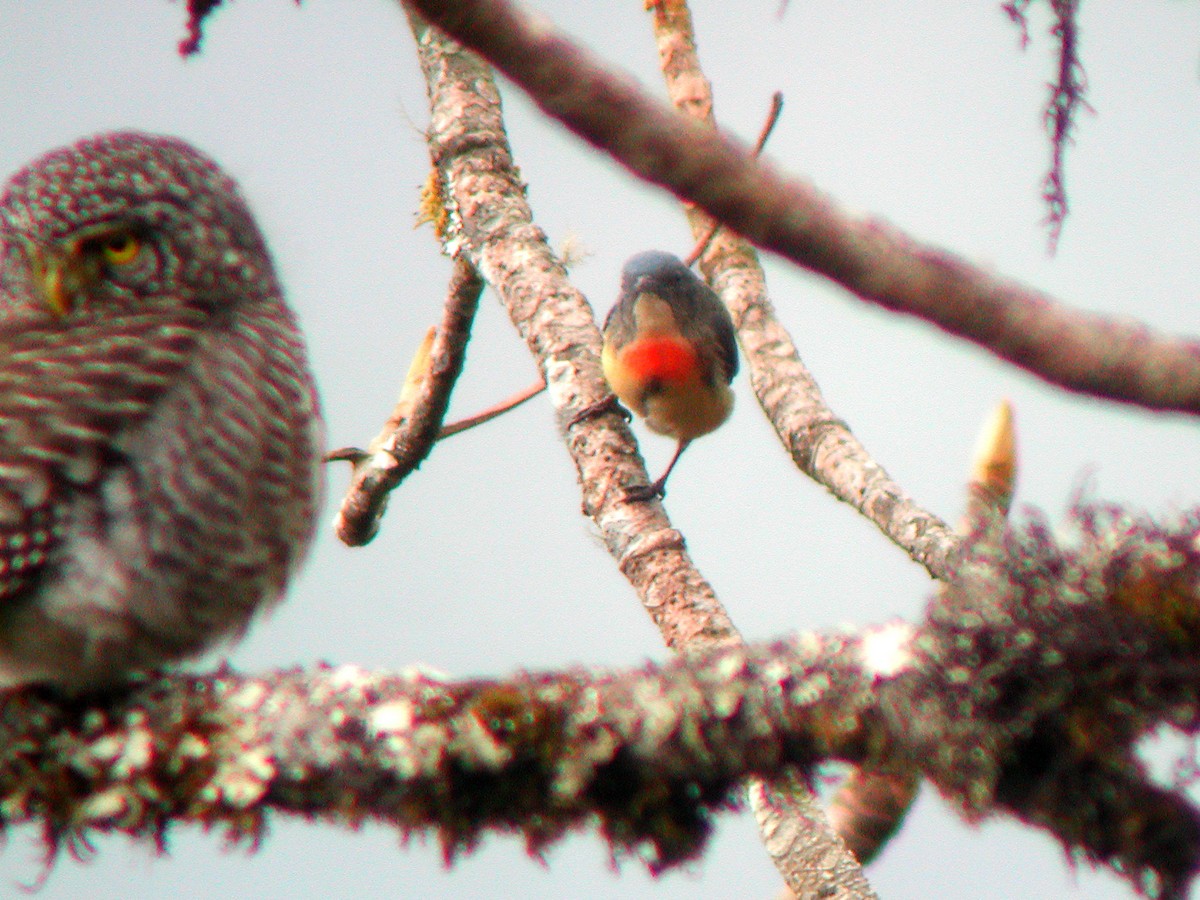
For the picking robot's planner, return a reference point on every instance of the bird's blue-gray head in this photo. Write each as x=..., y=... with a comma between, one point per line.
x=654, y=268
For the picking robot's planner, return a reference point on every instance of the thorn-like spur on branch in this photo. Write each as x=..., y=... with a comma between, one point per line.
x=1082, y=352
x=492, y=412
x=706, y=236
x=994, y=469
x=416, y=421
x=1026, y=691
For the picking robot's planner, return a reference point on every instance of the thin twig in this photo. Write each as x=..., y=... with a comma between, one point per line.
x=1066, y=98
x=493, y=411
x=710, y=232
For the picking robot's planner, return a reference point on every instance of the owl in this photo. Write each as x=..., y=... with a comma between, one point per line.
x=160, y=436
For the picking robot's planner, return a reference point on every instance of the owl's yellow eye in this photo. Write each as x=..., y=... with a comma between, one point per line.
x=120, y=248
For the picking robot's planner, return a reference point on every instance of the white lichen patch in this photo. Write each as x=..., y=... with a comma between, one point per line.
x=660, y=716
x=587, y=707
x=811, y=689
x=726, y=701
x=122, y=754
x=560, y=382
x=421, y=672
x=104, y=750
x=479, y=747
x=349, y=678
x=188, y=749
x=242, y=780
x=730, y=666
x=136, y=755
x=249, y=697
x=427, y=750
x=776, y=671
x=384, y=460
x=192, y=746
x=886, y=650
x=576, y=771
x=107, y=806
x=391, y=718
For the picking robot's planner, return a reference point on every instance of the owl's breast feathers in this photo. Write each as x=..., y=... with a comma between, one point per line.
x=70, y=394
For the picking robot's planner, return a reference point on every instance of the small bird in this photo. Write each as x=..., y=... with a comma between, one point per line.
x=160, y=439
x=670, y=353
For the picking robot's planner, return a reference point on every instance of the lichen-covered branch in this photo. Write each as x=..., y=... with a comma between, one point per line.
x=647, y=755
x=819, y=442
x=490, y=221
x=1066, y=97
x=1026, y=692
x=415, y=423
x=1087, y=353
x=1073, y=643
x=808, y=852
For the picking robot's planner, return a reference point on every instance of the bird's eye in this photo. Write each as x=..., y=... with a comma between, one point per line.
x=120, y=248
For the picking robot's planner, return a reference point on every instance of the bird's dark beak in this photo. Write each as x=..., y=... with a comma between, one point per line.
x=59, y=275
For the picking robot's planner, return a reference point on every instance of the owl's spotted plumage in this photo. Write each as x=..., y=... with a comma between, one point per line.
x=159, y=432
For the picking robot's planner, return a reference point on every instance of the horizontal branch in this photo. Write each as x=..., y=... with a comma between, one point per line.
x=1090, y=354
x=647, y=755
x=1026, y=691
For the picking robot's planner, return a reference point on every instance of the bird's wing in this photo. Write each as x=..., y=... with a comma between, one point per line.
x=728, y=350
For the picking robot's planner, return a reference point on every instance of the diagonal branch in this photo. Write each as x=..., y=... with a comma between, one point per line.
x=819, y=441
x=491, y=223
x=416, y=422
x=809, y=853
x=1081, y=352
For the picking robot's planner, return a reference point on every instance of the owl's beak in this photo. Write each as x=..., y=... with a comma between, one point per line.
x=59, y=274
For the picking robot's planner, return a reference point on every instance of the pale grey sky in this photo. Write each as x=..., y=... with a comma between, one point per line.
x=925, y=114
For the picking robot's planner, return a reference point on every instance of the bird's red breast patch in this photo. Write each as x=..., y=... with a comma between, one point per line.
x=665, y=359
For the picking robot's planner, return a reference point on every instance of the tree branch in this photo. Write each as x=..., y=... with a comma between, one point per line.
x=1026, y=691
x=808, y=852
x=415, y=424
x=491, y=222
x=1081, y=352
x=820, y=443
x=647, y=755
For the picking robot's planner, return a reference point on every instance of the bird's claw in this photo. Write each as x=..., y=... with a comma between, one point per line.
x=643, y=493
x=610, y=403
